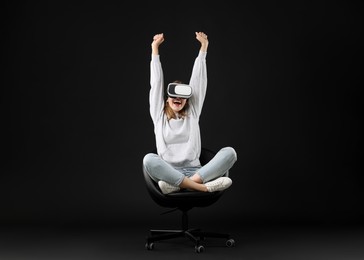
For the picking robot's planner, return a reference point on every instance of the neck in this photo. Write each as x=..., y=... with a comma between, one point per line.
x=177, y=115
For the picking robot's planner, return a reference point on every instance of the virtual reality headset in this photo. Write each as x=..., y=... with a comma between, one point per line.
x=179, y=90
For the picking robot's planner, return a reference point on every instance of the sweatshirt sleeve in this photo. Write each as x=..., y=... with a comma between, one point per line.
x=156, y=93
x=198, y=82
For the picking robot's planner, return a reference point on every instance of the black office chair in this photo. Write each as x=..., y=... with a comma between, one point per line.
x=184, y=200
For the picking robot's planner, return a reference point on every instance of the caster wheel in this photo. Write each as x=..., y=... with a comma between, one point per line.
x=230, y=242
x=199, y=249
x=149, y=246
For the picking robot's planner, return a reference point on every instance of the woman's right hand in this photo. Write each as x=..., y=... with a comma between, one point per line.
x=157, y=40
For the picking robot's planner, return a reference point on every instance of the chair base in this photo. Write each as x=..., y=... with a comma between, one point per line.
x=195, y=235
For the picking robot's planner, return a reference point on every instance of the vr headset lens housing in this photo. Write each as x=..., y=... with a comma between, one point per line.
x=179, y=90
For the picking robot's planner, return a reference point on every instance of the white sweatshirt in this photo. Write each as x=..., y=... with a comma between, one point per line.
x=178, y=141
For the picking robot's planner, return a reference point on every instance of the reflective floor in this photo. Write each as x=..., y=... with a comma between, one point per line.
x=117, y=242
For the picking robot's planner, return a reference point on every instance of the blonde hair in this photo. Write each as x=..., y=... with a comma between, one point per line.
x=169, y=111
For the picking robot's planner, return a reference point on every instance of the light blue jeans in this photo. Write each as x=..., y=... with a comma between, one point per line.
x=158, y=169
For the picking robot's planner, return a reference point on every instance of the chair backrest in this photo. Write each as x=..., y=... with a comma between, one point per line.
x=184, y=199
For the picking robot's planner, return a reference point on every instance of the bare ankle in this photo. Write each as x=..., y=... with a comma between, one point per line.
x=196, y=178
x=205, y=188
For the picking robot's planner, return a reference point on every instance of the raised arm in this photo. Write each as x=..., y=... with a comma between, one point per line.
x=156, y=94
x=198, y=80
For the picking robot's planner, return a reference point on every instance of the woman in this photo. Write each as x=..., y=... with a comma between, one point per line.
x=176, y=126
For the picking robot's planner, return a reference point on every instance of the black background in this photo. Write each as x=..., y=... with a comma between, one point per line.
x=284, y=90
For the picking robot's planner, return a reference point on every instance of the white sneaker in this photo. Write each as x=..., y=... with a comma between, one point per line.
x=218, y=184
x=167, y=188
